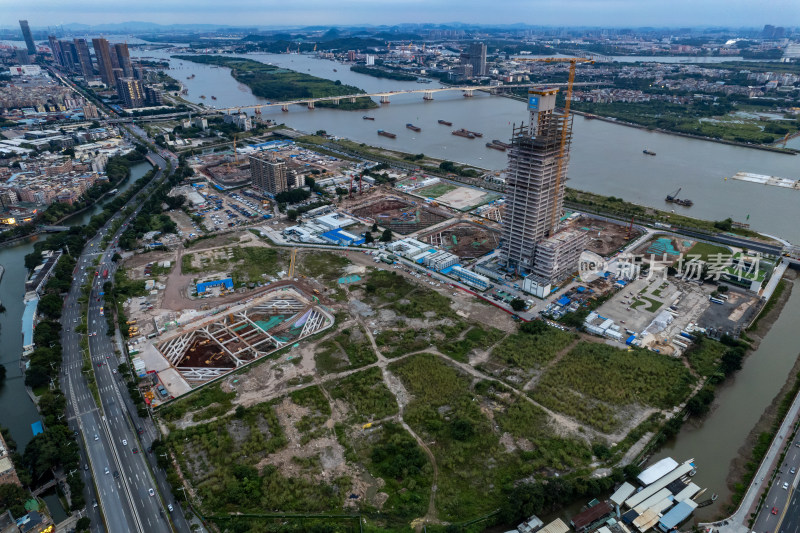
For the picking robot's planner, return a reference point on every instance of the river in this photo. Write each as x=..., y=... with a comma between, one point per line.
x=17, y=411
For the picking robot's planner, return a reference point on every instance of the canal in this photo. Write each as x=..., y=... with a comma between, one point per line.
x=17, y=411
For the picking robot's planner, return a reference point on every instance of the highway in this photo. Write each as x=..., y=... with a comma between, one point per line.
x=115, y=457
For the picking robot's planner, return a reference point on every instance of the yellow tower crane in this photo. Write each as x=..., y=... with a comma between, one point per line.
x=573, y=61
x=292, y=263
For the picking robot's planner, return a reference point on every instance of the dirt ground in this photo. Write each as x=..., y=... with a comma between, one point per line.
x=464, y=239
x=461, y=198
x=400, y=216
x=605, y=238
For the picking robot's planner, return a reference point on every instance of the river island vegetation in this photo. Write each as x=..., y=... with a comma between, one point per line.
x=275, y=83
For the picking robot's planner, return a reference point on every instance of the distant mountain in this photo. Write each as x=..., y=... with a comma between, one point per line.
x=138, y=26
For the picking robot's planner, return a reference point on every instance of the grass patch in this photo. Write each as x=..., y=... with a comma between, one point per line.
x=218, y=457
x=323, y=266
x=472, y=464
x=652, y=307
x=772, y=302
x=366, y=395
x=347, y=350
x=312, y=425
x=704, y=250
x=394, y=343
x=204, y=397
x=435, y=191
x=704, y=355
x=255, y=261
x=530, y=351
x=406, y=298
x=593, y=376
x=476, y=338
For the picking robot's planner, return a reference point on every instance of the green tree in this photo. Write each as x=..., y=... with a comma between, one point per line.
x=374, y=227
x=83, y=524
x=386, y=236
x=517, y=304
x=291, y=214
x=368, y=239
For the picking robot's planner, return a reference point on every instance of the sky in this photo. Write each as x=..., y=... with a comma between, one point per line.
x=606, y=13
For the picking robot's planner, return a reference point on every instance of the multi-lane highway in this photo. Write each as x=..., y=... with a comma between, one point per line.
x=116, y=467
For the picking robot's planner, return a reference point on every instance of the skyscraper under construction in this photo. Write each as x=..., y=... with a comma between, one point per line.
x=535, y=184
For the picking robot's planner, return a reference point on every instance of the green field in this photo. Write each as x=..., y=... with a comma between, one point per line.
x=435, y=191
x=593, y=379
x=704, y=250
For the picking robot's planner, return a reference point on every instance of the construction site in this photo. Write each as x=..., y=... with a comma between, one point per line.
x=226, y=170
x=213, y=346
x=604, y=237
x=399, y=215
x=467, y=240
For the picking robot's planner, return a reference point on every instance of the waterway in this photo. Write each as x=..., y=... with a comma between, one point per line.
x=17, y=411
x=605, y=158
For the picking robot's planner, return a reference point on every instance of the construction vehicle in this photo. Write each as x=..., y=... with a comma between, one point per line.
x=573, y=61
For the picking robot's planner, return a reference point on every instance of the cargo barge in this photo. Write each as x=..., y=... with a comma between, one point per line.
x=496, y=146
x=365, y=117
x=446, y=123
x=413, y=127
x=501, y=143
x=648, y=152
x=387, y=134
x=463, y=133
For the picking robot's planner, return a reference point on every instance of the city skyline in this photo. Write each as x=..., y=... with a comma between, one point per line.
x=608, y=13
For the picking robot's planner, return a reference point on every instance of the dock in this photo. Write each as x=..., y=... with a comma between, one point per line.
x=767, y=180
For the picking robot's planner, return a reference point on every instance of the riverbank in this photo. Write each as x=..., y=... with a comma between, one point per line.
x=274, y=83
x=744, y=463
x=613, y=120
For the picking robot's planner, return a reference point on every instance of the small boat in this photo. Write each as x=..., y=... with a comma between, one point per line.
x=213, y=97
x=335, y=70
x=463, y=133
x=714, y=497
x=413, y=127
x=496, y=146
x=386, y=134
x=446, y=123
x=203, y=96
x=365, y=117
x=648, y=152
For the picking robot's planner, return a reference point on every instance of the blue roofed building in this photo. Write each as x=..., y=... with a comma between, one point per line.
x=28, y=319
x=226, y=283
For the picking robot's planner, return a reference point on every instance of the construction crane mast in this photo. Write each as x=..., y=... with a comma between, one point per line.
x=573, y=61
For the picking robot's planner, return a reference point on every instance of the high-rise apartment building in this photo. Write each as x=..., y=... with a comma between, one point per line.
x=55, y=46
x=22, y=56
x=102, y=54
x=131, y=92
x=84, y=59
x=268, y=175
x=124, y=59
x=26, y=34
x=534, y=190
x=477, y=58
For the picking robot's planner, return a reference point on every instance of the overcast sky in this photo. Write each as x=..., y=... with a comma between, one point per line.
x=609, y=13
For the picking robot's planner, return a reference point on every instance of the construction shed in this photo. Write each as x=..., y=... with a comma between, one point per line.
x=675, y=516
x=622, y=493
x=556, y=526
x=655, y=487
x=583, y=520
x=657, y=471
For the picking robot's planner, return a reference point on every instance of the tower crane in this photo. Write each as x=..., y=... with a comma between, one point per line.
x=573, y=61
